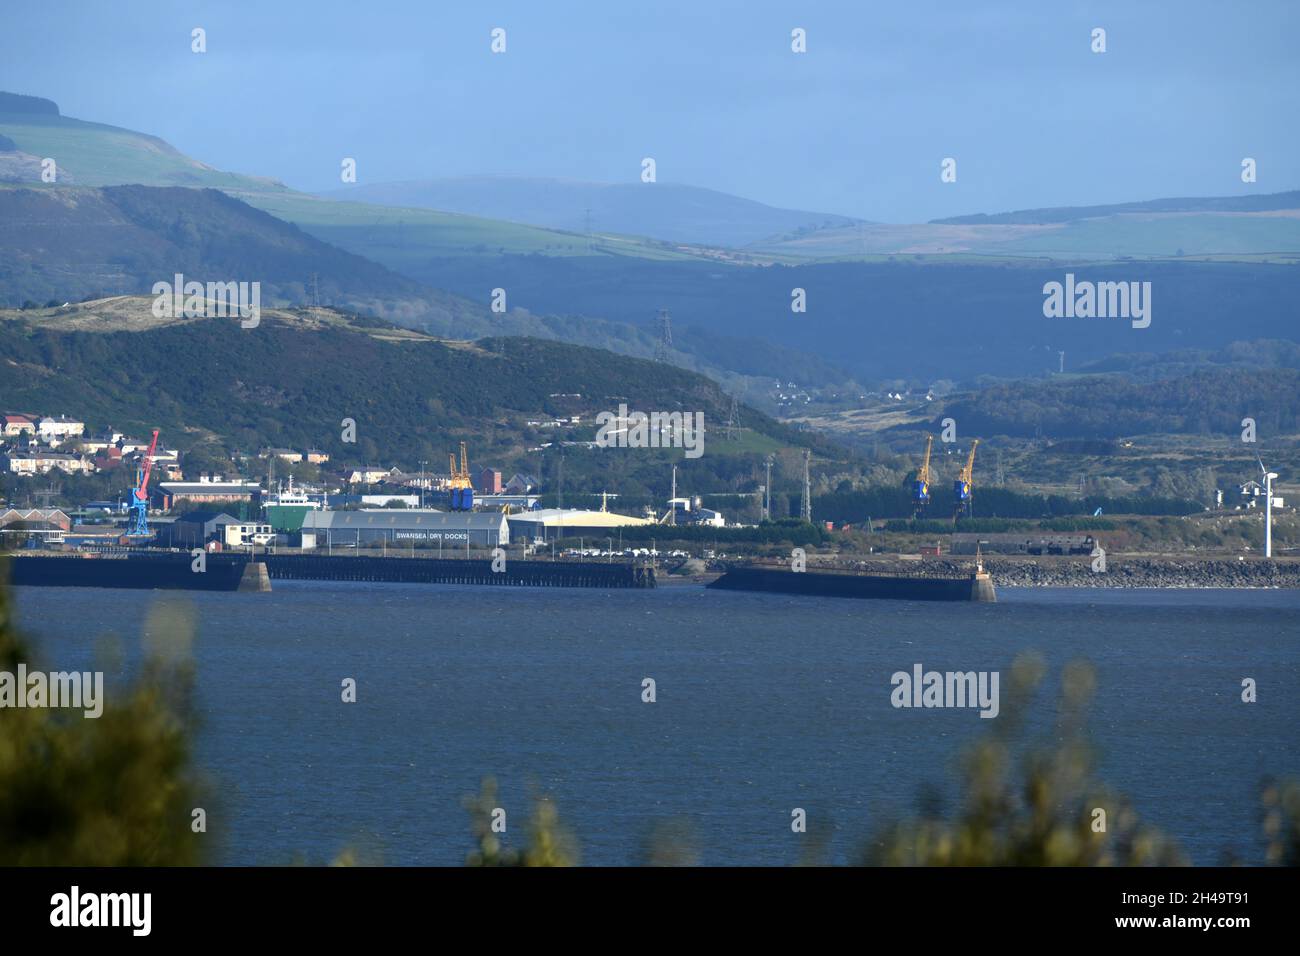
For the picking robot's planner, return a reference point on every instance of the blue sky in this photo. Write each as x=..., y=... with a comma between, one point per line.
x=857, y=125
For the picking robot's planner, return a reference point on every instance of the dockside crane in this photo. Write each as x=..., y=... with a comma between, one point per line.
x=921, y=489
x=460, y=486
x=962, y=486
x=137, y=525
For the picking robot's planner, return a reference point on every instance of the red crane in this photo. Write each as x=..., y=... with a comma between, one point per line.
x=138, y=523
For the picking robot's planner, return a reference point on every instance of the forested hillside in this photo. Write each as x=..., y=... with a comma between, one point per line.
x=292, y=381
x=1205, y=402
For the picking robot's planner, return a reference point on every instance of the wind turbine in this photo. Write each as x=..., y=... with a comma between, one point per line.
x=1268, y=508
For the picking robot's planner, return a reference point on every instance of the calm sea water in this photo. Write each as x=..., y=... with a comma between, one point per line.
x=765, y=703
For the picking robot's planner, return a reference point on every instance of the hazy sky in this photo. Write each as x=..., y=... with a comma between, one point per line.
x=859, y=124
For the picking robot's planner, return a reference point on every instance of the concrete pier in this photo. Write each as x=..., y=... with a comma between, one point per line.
x=255, y=577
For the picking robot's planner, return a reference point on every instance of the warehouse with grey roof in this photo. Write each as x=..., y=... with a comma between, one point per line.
x=402, y=527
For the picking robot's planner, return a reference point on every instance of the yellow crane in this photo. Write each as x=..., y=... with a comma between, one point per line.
x=921, y=489
x=459, y=483
x=962, y=487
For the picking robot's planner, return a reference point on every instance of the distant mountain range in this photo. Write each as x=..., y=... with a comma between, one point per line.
x=80, y=242
x=667, y=211
x=953, y=301
x=403, y=225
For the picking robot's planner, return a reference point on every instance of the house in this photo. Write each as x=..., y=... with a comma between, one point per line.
x=109, y=458
x=99, y=444
x=521, y=485
x=368, y=475
x=314, y=456
x=43, y=462
x=489, y=482
x=284, y=454
x=55, y=430
x=15, y=425
x=130, y=445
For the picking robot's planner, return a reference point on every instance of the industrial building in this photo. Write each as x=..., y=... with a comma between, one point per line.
x=207, y=491
x=548, y=524
x=195, y=529
x=401, y=527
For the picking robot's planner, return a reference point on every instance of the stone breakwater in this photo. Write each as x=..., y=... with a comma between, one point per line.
x=1121, y=571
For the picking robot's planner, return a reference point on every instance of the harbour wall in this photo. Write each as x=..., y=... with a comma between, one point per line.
x=226, y=572
x=967, y=587
x=517, y=572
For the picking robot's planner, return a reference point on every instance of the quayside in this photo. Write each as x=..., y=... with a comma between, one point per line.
x=976, y=586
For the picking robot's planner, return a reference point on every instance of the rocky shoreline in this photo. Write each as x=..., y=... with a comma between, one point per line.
x=1121, y=571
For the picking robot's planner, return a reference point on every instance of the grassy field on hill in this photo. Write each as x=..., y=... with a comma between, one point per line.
x=93, y=154
x=404, y=237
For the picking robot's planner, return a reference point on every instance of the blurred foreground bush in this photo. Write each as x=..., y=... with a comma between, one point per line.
x=1031, y=805
x=549, y=842
x=112, y=791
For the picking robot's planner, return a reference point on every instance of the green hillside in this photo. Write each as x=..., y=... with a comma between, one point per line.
x=208, y=383
x=1257, y=236
x=92, y=154
x=74, y=242
x=401, y=238
x=672, y=212
x=1262, y=202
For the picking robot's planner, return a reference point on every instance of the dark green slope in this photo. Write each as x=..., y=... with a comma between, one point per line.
x=293, y=380
x=71, y=243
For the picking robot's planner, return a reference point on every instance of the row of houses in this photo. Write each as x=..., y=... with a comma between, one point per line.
x=38, y=445
x=45, y=428
x=312, y=456
x=488, y=481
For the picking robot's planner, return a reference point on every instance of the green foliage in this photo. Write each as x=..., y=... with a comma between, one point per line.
x=1281, y=800
x=213, y=388
x=113, y=791
x=1208, y=401
x=1030, y=805
x=990, y=503
x=203, y=234
x=549, y=843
